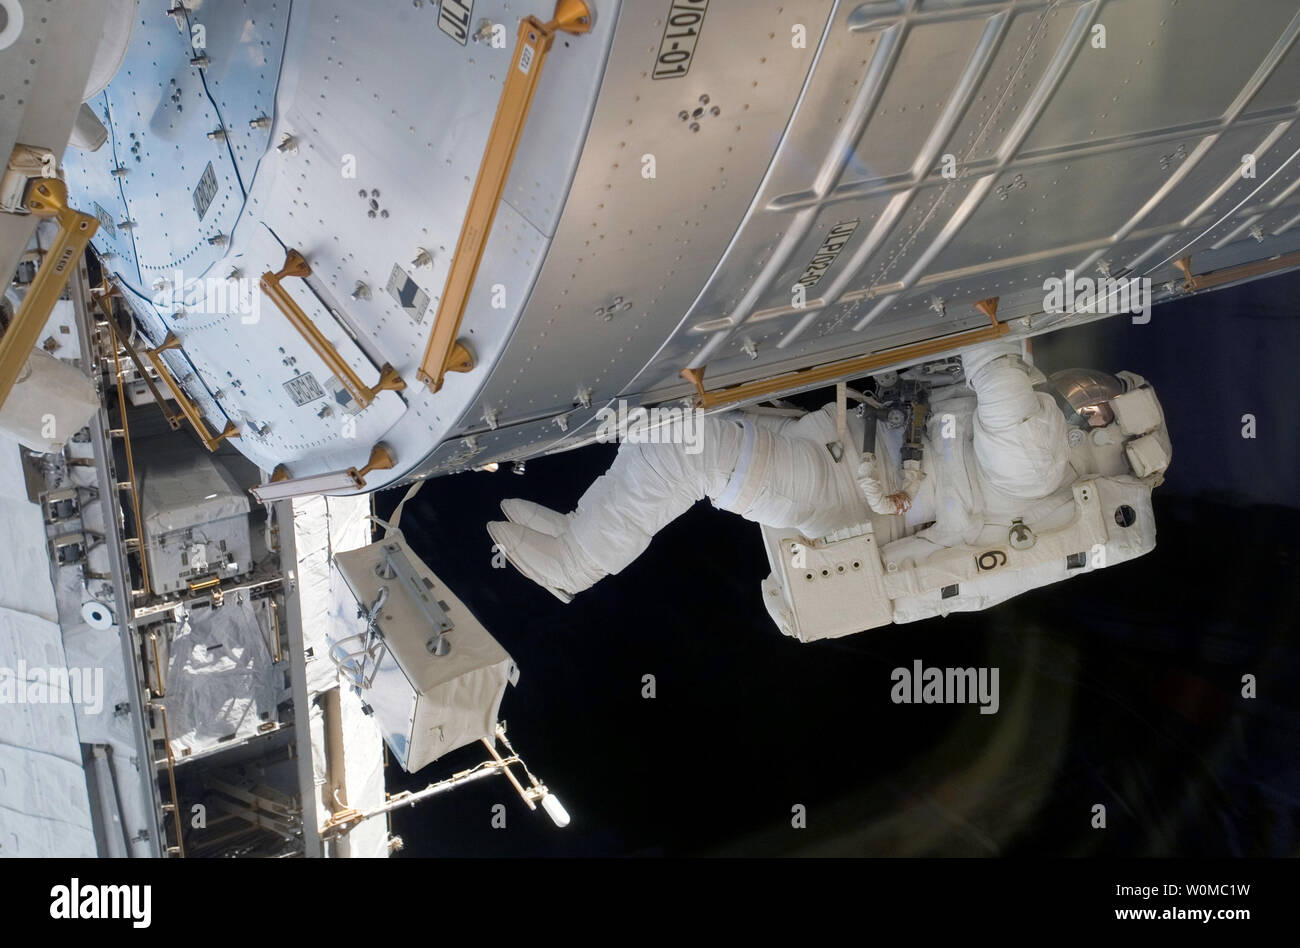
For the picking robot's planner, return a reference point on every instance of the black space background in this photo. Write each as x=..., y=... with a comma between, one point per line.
x=1122, y=687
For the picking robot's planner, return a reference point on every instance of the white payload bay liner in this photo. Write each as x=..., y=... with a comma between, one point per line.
x=44, y=802
x=895, y=570
x=427, y=704
x=323, y=526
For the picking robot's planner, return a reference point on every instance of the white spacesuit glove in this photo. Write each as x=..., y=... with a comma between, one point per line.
x=888, y=504
x=912, y=478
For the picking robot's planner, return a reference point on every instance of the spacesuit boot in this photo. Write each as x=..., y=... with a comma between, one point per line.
x=535, y=516
x=647, y=487
x=556, y=563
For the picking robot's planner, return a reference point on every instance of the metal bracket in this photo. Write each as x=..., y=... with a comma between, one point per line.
x=359, y=667
x=380, y=460
x=346, y=819
x=352, y=665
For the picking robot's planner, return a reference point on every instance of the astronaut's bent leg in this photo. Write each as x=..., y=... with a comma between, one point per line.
x=646, y=488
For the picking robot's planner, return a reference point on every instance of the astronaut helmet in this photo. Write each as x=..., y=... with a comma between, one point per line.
x=1084, y=395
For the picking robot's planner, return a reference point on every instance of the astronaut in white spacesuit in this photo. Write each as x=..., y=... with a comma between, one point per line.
x=807, y=474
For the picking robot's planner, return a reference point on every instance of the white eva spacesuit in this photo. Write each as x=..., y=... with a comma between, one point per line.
x=1005, y=448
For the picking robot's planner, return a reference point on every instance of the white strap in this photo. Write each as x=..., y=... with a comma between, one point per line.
x=841, y=400
x=751, y=470
x=838, y=446
x=396, y=520
x=728, y=497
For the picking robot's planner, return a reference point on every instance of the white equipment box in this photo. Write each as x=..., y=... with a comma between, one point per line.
x=824, y=590
x=195, y=519
x=432, y=674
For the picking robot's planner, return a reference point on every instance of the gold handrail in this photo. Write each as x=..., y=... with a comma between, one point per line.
x=1206, y=281
x=212, y=583
x=834, y=371
x=188, y=408
x=201, y=585
x=104, y=297
x=296, y=265
x=46, y=197
x=445, y=352
x=137, y=514
x=171, y=776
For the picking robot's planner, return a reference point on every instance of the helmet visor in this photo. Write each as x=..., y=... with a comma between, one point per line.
x=1084, y=395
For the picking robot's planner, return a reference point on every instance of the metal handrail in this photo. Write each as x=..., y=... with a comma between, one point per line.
x=171, y=777
x=445, y=352
x=137, y=513
x=834, y=371
x=173, y=419
x=187, y=406
x=46, y=198
x=1206, y=281
x=296, y=265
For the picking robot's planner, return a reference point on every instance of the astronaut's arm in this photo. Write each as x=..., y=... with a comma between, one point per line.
x=868, y=478
x=868, y=474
